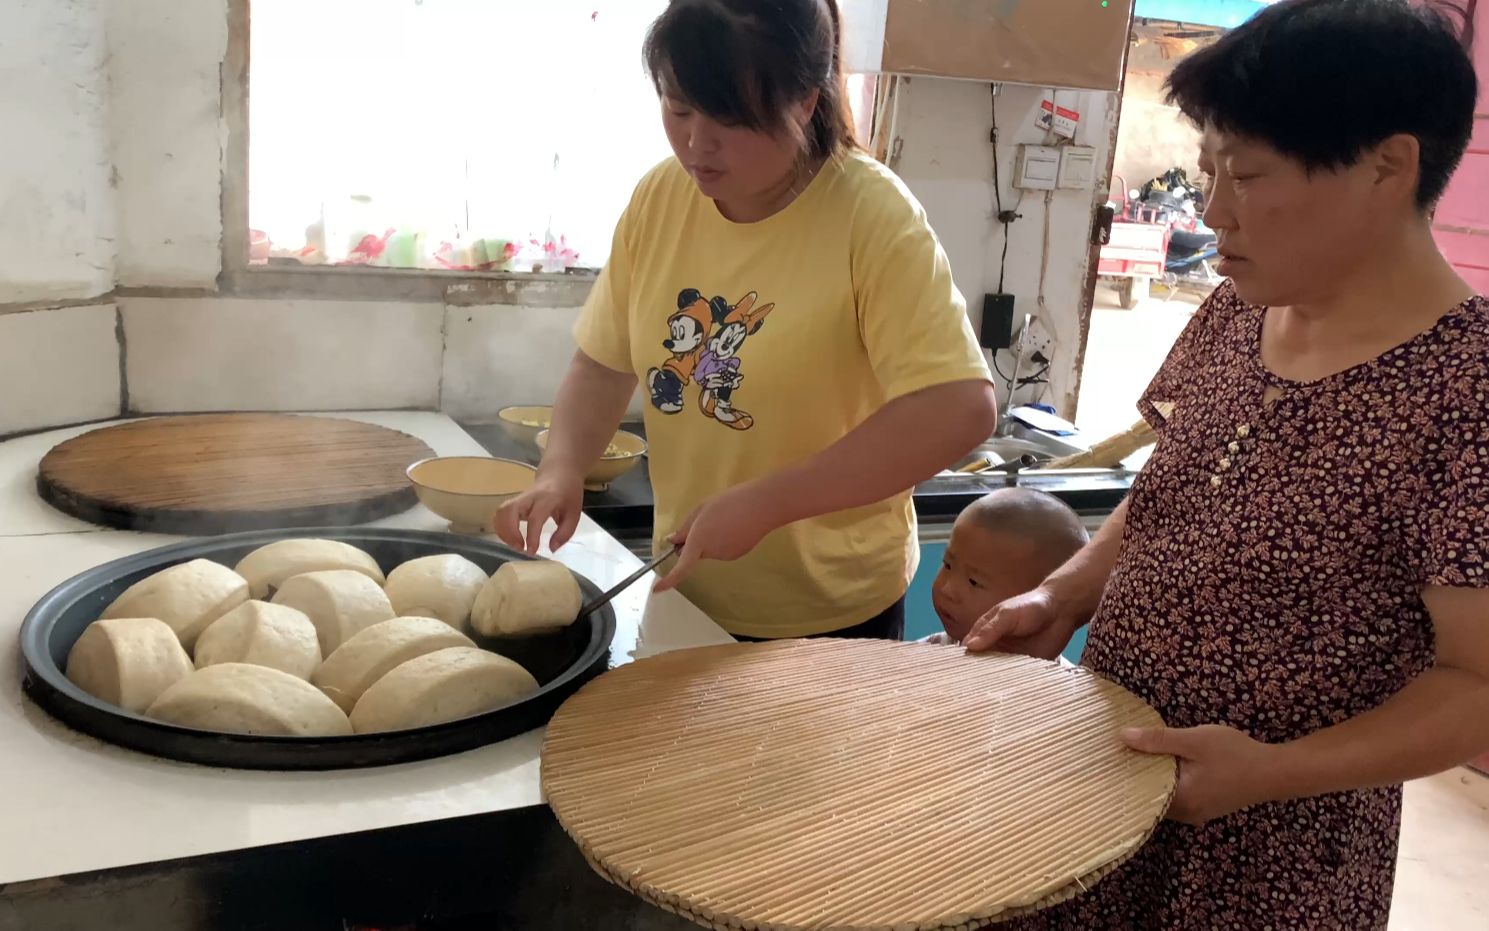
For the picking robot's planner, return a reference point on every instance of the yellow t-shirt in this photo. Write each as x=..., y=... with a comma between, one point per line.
x=758, y=345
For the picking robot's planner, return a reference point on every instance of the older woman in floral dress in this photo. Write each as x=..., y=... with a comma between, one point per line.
x=1298, y=580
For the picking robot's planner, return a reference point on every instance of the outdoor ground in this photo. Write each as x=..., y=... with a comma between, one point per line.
x=1124, y=351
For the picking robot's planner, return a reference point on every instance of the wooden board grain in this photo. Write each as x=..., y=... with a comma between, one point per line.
x=834, y=784
x=220, y=473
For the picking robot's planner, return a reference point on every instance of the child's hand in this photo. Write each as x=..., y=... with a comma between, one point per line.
x=1033, y=624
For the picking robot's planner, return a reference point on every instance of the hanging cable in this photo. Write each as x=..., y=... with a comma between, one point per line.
x=998, y=189
x=1044, y=257
x=1035, y=379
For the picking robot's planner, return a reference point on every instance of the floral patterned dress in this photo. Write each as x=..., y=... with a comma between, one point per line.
x=1269, y=579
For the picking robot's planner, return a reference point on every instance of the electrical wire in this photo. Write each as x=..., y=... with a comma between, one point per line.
x=997, y=187
x=1003, y=259
x=1036, y=378
x=998, y=190
x=1044, y=265
x=1044, y=258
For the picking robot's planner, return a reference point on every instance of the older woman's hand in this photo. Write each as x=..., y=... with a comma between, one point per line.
x=1221, y=769
x=1036, y=623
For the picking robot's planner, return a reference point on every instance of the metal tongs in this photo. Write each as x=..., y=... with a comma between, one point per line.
x=1011, y=467
x=625, y=583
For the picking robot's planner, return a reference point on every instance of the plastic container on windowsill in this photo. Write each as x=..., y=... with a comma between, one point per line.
x=402, y=249
x=482, y=255
x=547, y=256
x=496, y=254
x=259, y=247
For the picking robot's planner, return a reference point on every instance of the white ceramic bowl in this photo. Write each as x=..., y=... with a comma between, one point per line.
x=523, y=424
x=631, y=448
x=468, y=490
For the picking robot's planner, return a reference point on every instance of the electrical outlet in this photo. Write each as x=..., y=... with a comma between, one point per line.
x=1038, y=339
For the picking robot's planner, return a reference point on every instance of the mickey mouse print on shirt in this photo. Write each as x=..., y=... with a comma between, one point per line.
x=704, y=340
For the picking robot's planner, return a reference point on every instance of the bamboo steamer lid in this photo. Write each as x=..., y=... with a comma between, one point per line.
x=842, y=784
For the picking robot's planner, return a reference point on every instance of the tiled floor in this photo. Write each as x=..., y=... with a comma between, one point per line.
x=1442, y=882
x=1442, y=876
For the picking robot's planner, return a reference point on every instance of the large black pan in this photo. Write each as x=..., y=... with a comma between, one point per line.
x=561, y=662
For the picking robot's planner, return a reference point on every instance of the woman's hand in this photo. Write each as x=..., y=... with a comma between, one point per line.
x=724, y=527
x=556, y=494
x=1036, y=623
x=1221, y=769
x=591, y=400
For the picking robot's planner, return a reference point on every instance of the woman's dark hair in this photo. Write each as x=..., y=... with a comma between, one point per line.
x=745, y=62
x=1322, y=81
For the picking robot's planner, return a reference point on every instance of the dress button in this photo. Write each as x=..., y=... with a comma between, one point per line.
x=1233, y=448
x=1215, y=481
x=1243, y=431
x=1224, y=464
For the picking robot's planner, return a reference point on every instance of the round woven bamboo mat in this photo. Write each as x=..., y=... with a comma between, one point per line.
x=838, y=784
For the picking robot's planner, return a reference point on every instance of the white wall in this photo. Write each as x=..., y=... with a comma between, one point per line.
x=56, y=217
x=164, y=72
x=947, y=161
x=58, y=366
x=502, y=355
x=223, y=354
x=56, y=206
x=215, y=354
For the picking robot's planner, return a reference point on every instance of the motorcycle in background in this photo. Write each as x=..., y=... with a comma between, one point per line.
x=1157, y=233
x=1193, y=249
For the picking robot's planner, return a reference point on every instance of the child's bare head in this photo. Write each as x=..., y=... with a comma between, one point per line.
x=1002, y=545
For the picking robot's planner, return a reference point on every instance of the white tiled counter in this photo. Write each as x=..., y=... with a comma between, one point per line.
x=70, y=803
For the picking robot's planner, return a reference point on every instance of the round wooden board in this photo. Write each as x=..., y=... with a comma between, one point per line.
x=852, y=784
x=219, y=473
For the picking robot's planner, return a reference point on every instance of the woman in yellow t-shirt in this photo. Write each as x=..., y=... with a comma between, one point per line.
x=792, y=323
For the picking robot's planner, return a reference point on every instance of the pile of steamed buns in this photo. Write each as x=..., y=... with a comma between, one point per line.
x=306, y=638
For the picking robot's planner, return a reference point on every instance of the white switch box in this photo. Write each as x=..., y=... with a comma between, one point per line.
x=1077, y=167
x=1037, y=168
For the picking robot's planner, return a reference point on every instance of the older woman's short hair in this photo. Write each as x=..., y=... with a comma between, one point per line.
x=1322, y=81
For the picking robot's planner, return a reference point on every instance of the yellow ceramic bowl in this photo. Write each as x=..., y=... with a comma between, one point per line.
x=629, y=447
x=523, y=424
x=468, y=490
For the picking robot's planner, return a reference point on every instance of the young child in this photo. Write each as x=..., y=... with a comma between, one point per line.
x=1002, y=545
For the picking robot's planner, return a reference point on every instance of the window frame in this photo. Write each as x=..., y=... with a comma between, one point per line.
x=346, y=282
